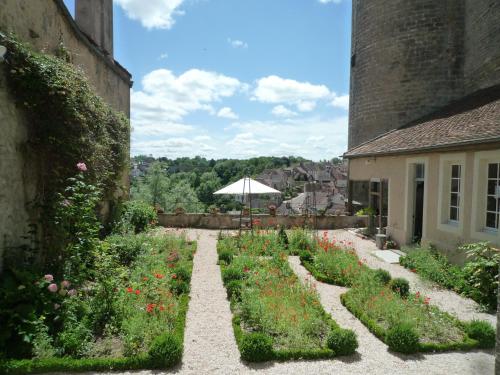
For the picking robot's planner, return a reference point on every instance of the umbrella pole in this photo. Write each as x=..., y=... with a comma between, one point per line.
x=250, y=204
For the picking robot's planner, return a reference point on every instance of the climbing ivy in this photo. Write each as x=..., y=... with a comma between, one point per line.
x=68, y=123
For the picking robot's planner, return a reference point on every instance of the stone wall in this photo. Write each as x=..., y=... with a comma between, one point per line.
x=407, y=61
x=224, y=221
x=482, y=44
x=44, y=24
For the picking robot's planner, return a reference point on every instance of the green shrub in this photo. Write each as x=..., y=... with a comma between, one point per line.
x=137, y=216
x=256, y=347
x=482, y=273
x=481, y=331
x=383, y=276
x=283, y=238
x=165, y=351
x=75, y=339
x=400, y=286
x=402, y=338
x=182, y=273
x=126, y=247
x=179, y=287
x=232, y=273
x=234, y=289
x=342, y=341
x=306, y=256
x=226, y=256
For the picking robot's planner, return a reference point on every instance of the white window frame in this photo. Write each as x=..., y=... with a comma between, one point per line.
x=480, y=186
x=446, y=161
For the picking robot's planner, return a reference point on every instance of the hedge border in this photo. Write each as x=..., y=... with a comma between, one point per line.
x=283, y=355
x=140, y=362
x=377, y=330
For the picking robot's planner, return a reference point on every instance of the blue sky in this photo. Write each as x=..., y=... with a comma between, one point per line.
x=226, y=78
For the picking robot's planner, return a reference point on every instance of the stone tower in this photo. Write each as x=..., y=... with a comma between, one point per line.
x=95, y=18
x=409, y=58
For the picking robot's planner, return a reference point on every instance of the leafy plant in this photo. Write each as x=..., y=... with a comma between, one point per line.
x=165, y=351
x=481, y=331
x=481, y=272
x=256, y=347
x=382, y=276
x=402, y=338
x=137, y=216
x=400, y=286
x=342, y=341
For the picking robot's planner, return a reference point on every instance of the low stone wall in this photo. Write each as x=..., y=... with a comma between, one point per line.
x=225, y=221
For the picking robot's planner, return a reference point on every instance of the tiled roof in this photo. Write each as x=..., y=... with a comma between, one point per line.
x=471, y=120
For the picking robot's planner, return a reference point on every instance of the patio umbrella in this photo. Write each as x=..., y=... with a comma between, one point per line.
x=247, y=187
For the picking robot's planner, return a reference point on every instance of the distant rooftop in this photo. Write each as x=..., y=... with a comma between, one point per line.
x=471, y=120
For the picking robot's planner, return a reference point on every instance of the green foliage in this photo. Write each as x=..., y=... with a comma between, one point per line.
x=342, y=341
x=70, y=123
x=306, y=256
x=481, y=273
x=283, y=237
x=483, y=332
x=225, y=256
x=382, y=276
x=402, y=338
x=400, y=286
x=478, y=279
x=137, y=216
x=78, y=226
x=300, y=240
x=234, y=289
x=256, y=347
x=165, y=351
x=232, y=273
x=370, y=211
x=433, y=266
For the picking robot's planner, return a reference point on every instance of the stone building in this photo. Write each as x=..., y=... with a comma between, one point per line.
x=45, y=24
x=424, y=120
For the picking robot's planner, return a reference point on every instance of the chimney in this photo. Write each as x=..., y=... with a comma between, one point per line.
x=95, y=19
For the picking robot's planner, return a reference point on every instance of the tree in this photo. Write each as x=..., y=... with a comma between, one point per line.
x=209, y=183
x=182, y=195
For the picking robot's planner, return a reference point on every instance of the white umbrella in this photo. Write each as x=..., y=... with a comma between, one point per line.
x=247, y=186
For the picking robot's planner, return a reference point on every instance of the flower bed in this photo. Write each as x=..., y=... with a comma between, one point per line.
x=130, y=315
x=261, y=243
x=275, y=316
x=478, y=279
x=406, y=321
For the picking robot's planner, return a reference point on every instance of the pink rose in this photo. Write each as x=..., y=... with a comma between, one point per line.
x=52, y=288
x=72, y=292
x=49, y=278
x=65, y=284
x=81, y=166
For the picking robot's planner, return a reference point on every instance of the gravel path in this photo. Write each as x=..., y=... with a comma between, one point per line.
x=463, y=308
x=210, y=347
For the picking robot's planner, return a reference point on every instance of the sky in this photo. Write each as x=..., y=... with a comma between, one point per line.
x=236, y=79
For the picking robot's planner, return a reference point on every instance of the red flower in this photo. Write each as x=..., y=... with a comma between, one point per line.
x=137, y=292
x=360, y=263
x=246, y=269
x=171, y=265
x=150, y=307
x=162, y=308
x=145, y=278
x=174, y=276
x=417, y=294
x=413, y=270
x=130, y=290
x=159, y=275
x=426, y=300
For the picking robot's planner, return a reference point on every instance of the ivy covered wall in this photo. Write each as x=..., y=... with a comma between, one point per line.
x=61, y=101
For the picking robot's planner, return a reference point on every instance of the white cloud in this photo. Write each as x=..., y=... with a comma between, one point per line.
x=303, y=95
x=153, y=14
x=163, y=56
x=227, y=112
x=341, y=101
x=282, y=111
x=325, y=138
x=166, y=97
x=236, y=43
x=162, y=129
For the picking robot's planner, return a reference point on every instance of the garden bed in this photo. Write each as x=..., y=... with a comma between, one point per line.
x=406, y=321
x=275, y=315
x=131, y=316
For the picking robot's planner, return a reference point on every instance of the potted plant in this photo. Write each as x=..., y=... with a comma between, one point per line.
x=272, y=209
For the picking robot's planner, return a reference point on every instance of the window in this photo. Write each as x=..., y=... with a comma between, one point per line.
x=493, y=196
x=419, y=172
x=456, y=174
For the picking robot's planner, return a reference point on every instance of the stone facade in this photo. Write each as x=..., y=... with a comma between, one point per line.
x=44, y=24
x=410, y=58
